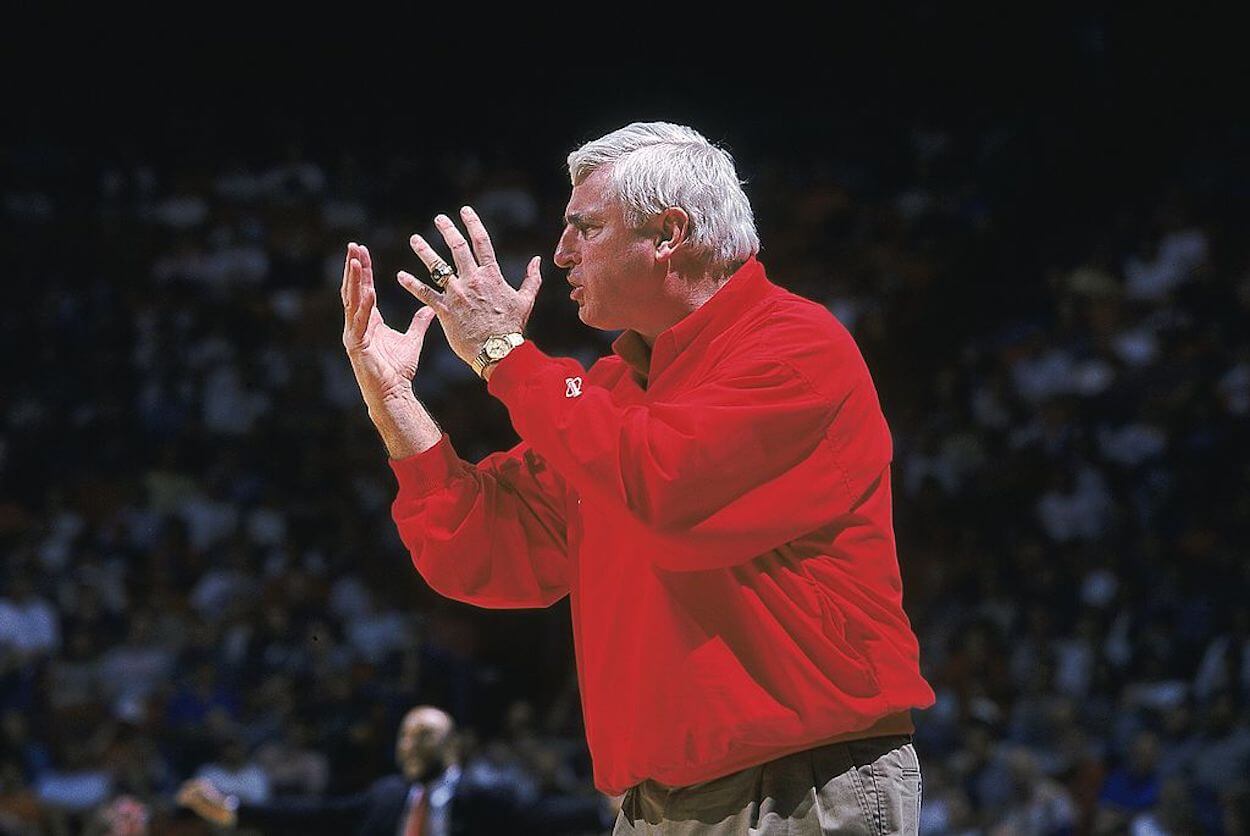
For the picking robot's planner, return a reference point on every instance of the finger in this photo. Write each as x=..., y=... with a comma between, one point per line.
x=365, y=307
x=422, y=291
x=353, y=306
x=482, y=247
x=362, y=314
x=428, y=255
x=353, y=286
x=421, y=322
x=533, y=279
x=346, y=265
x=465, y=264
x=366, y=267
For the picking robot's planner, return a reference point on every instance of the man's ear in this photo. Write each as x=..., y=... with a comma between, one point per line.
x=673, y=231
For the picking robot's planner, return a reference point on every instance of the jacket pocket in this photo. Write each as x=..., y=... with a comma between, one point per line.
x=856, y=675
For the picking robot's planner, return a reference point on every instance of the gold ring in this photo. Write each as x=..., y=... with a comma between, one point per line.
x=441, y=273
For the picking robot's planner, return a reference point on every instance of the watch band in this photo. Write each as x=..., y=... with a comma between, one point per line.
x=501, y=344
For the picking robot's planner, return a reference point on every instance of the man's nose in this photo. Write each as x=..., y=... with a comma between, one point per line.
x=565, y=256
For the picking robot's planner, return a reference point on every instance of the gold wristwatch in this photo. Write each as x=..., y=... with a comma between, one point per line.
x=495, y=349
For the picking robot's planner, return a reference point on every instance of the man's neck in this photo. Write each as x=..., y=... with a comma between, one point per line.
x=689, y=294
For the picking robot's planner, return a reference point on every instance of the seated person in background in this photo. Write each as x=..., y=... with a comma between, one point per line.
x=428, y=797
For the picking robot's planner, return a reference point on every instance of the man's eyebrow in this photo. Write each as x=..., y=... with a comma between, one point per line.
x=578, y=218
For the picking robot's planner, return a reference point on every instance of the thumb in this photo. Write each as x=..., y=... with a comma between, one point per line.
x=533, y=279
x=420, y=322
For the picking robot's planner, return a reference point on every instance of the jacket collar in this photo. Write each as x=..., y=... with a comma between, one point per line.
x=745, y=288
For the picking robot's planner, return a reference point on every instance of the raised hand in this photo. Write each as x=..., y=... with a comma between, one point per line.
x=477, y=302
x=384, y=360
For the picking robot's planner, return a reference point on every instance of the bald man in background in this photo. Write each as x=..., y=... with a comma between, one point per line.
x=417, y=801
x=427, y=798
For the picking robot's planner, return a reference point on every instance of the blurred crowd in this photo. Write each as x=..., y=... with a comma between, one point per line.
x=201, y=578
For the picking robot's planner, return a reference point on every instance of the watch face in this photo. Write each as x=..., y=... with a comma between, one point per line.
x=496, y=347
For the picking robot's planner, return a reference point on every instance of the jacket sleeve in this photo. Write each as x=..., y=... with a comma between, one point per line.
x=491, y=534
x=748, y=459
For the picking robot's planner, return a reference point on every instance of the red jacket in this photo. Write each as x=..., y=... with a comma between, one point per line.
x=719, y=514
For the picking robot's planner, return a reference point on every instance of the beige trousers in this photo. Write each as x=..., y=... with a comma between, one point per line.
x=870, y=786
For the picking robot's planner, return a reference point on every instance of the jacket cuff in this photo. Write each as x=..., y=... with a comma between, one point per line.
x=429, y=470
x=514, y=371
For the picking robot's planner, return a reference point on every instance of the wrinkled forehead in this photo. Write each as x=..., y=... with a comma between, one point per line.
x=594, y=197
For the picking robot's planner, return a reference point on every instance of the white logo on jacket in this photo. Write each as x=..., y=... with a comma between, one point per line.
x=572, y=387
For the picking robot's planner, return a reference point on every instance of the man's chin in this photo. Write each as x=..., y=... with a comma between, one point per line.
x=426, y=771
x=587, y=315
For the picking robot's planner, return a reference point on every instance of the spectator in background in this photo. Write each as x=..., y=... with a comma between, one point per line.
x=431, y=793
x=235, y=775
x=1174, y=814
x=1037, y=805
x=133, y=670
x=1225, y=664
x=28, y=623
x=20, y=809
x=75, y=784
x=293, y=763
x=426, y=752
x=1223, y=756
x=1133, y=787
x=124, y=816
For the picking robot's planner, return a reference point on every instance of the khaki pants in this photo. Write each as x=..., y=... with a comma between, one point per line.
x=869, y=786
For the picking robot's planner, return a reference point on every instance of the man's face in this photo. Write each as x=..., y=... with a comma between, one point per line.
x=613, y=269
x=424, y=738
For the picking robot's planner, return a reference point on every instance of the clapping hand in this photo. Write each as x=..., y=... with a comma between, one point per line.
x=384, y=360
x=477, y=302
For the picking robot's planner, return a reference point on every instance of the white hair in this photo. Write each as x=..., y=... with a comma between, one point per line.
x=656, y=165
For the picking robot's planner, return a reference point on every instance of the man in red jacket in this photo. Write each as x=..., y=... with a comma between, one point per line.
x=714, y=498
